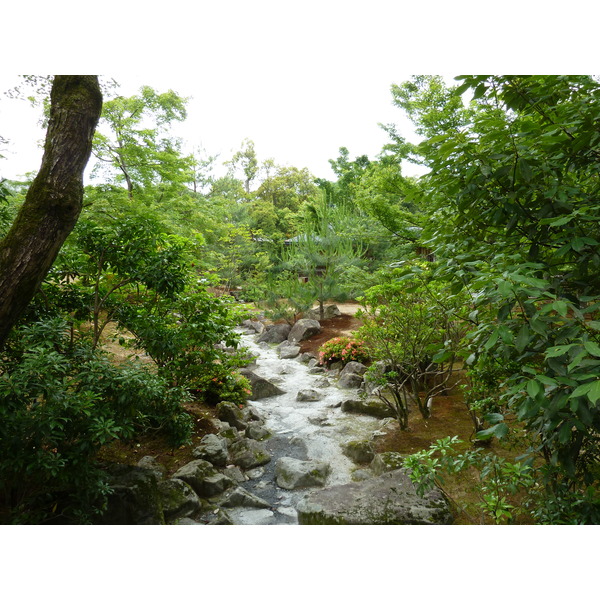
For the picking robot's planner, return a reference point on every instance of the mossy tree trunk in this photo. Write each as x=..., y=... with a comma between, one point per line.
x=53, y=202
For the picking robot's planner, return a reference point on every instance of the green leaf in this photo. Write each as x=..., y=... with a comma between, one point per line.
x=555, y=351
x=581, y=390
x=561, y=307
x=491, y=341
x=441, y=356
x=522, y=338
x=594, y=393
x=546, y=380
x=524, y=169
x=535, y=388
x=592, y=348
x=494, y=418
x=564, y=433
x=498, y=431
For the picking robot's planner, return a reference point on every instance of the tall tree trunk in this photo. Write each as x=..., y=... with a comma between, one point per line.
x=54, y=200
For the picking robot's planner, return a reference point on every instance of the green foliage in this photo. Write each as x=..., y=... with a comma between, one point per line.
x=414, y=332
x=187, y=337
x=133, y=148
x=61, y=401
x=513, y=187
x=323, y=252
x=342, y=349
x=499, y=480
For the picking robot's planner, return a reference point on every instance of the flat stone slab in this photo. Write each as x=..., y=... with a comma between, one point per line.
x=389, y=499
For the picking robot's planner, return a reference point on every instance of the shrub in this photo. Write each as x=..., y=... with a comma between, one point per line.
x=342, y=349
x=61, y=401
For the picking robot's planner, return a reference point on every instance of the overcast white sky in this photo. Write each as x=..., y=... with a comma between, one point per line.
x=299, y=79
x=298, y=119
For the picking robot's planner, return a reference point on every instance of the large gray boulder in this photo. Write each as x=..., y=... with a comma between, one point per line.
x=359, y=451
x=213, y=449
x=150, y=462
x=178, y=499
x=204, y=479
x=304, y=329
x=369, y=406
x=248, y=454
x=289, y=351
x=255, y=326
x=350, y=381
x=351, y=376
x=354, y=368
x=135, y=499
x=291, y=473
x=329, y=311
x=261, y=388
x=232, y=414
x=390, y=499
x=275, y=334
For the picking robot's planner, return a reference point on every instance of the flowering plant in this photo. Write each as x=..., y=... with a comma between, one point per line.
x=342, y=349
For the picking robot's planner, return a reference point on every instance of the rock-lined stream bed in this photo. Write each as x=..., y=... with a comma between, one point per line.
x=306, y=424
x=301, y=452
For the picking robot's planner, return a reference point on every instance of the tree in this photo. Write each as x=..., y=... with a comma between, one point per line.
x=415, y=332
x=322, y=252
x=245, y=159
x=515, y=221
x=54, y=200
x=134, y=147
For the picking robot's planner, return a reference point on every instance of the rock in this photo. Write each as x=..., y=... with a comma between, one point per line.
x=247, y=454
x=255, y=473
x=232, y=414
x=354, y=367
x=306, y=357
x=304, y=329
x=291, y=473
x=241, y=497
x=329, y=311
x=338, y=365
x=275, y=334
x=313, y=362
x=135, y=499
x=252, y=414
x=205, y=480
x=371, y=407
x=150, y=462
x=230, y=434
x=235, y=474
x=350, y=381
x=289, y=352
x=389, y=499
x=257, y=432
x=308, y=395
x=360, y=452
x=316, y=370
x=256, y=326
x=213, y=449
x=323, y=383
x=178, y=499
x=261, y=388
x=361, y=474
x=387, y=461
